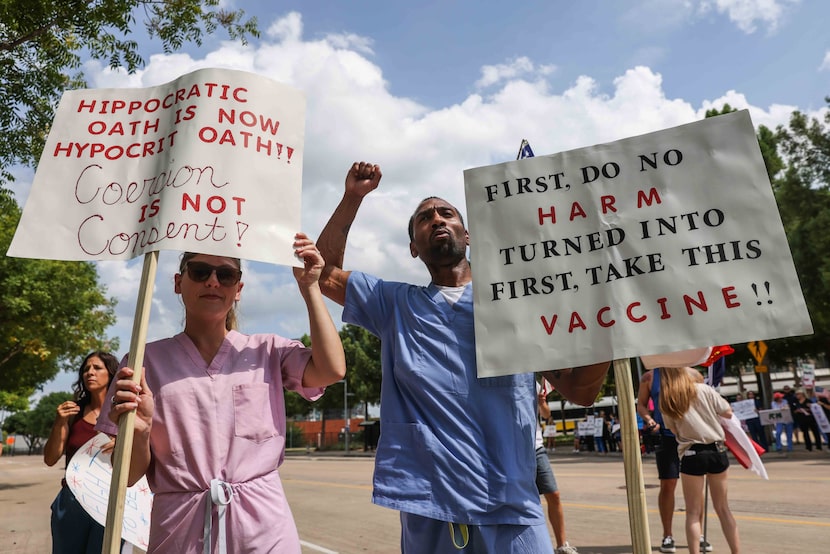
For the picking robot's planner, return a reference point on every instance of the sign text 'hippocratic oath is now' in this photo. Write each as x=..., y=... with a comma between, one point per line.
x=210, y=162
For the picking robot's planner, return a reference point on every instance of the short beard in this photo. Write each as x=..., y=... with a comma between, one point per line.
x=448, y=250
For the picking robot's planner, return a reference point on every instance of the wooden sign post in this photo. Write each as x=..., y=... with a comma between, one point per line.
x=126, y=425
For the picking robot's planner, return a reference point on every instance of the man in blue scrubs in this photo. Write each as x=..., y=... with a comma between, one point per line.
x=456, y=453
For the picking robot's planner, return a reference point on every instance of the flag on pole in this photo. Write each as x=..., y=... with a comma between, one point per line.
x=524, y=150
x=716, y=372
x=717, y=364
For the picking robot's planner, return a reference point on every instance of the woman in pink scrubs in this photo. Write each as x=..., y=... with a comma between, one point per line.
x=210, y=420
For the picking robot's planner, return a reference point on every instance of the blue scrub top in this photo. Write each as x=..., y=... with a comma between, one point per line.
x=452, y=447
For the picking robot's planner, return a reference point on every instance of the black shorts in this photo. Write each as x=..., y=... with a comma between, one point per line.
x=545, y=481
x=665, y=454
x=701, y=459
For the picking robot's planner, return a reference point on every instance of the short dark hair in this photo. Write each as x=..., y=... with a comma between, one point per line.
x=412, y=217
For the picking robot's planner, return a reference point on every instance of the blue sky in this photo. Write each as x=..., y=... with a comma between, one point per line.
x=432, y=88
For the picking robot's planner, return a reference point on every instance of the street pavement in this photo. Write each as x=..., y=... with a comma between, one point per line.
x=330, y=496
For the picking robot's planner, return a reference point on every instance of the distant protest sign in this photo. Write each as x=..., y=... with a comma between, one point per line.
x=657, y=243
x=88, y=476
x=210, y=162
x=744, y=409
x=778, y=415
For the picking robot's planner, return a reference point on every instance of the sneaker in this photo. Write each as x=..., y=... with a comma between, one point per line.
x=566, y=549
x=667, y=545
x=704, y=545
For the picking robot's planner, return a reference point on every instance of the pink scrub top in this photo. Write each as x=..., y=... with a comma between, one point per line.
x=220, y=421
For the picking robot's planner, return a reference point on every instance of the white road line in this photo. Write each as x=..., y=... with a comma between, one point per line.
x=317, y=548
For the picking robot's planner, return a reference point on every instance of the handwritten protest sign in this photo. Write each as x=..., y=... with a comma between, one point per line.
x=88, y=476
x=657, y=243
x=210, y=162
x=744, y=409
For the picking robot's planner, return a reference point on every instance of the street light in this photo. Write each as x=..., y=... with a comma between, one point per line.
x=346, y=413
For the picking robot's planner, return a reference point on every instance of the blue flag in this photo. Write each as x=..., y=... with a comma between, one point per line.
x=524, y=150
x=716, y=372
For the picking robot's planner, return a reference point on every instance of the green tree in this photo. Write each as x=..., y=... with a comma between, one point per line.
x=42, y=41
x=332, y=399
x=797, y=158
x=363, y=374
x=769, y=143
x=52, y=313
x=35, y=425
x=803, y=195
x=14, y=402
x=362, y=350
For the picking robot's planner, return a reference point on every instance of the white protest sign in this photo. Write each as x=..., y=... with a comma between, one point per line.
x=585, y=428
x=657, y=243
x=777, y=415
x=821, y=417
x=210, y=162
x=744, y=409
x=88, y=476
x=808, y=374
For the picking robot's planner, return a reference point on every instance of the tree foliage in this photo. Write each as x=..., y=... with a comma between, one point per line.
x=52, y=313
x=42, y=43
x=362, y=350
x=797, y=159
x=803, y=195
x=363, y=373
x=35, y=425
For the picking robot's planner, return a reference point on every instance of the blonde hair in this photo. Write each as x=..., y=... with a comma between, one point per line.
x=677, y=391
x=231, y=319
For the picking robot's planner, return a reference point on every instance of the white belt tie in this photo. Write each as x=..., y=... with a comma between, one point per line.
x=221, y=494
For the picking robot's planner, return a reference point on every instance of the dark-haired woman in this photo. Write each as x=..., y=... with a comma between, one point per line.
x=73, y=530
x=692, y=411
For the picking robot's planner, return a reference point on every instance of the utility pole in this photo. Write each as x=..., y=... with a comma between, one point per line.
x=346, y=414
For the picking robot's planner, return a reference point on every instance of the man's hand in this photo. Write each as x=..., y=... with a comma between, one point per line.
x=362, y=178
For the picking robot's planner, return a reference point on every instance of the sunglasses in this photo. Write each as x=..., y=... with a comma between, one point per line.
x=200, y=272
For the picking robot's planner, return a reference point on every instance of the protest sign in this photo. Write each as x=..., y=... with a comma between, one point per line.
x=88, y=476
x=821, y=417
x=808, y=374
x=210, y=162
x=585, y=428
x=777, y=415
x=744, y=409
x=657, y=243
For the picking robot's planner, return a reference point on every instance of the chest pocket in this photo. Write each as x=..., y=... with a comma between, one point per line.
x=252, y=415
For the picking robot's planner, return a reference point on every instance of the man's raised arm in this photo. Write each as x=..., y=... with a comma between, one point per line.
x=361, y=179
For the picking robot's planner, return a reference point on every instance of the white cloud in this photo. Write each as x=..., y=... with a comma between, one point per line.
x=288, y=28
x=494, y=74
x=825, y=63
x=747, y=14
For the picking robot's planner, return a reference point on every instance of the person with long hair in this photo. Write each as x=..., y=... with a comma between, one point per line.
x=692, y=411
x=73, y=529
x=210, y=412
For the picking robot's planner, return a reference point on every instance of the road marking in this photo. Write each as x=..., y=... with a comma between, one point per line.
x=785, y=521
x=317, y=548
